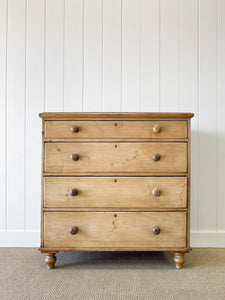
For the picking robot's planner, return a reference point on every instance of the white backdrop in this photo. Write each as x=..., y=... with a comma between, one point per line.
x=110, y=55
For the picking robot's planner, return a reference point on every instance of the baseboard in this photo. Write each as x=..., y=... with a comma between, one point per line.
x=32, y=239
x=208, y=239
x=20, y=239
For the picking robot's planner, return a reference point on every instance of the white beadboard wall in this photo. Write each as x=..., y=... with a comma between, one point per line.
x=110, y=55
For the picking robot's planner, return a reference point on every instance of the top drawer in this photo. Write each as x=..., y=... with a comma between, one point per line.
x=115, y=129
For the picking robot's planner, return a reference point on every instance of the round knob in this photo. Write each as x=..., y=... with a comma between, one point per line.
x=74, y=192
x=156, y=192
x=156, y=230
x=74, y=156
x=157, y=128
x=73, y=230
x=74, y=128
x=156, y=157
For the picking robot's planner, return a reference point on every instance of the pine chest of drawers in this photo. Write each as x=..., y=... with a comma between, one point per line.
x=115, y=182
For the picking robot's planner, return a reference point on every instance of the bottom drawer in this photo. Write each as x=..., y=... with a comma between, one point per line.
x=114, y=229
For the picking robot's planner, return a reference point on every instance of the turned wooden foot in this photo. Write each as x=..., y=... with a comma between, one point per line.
x=179, y=259
x=50, y=260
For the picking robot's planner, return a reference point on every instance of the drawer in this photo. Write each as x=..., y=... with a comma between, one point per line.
x=119, y=157
x=115, y=192
x=115, y=129
x=114, y=229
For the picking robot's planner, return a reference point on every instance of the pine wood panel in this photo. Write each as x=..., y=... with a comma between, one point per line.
x=113, y=140
x=57, y=249
x=116, y=115
x=122, y=192
x=115, y=157
x=46, y=174
x=104, y=209
x=116, y=129
x=115, y=229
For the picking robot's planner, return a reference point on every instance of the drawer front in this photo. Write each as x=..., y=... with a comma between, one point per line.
x=115, y=157
x=114, y=229
x=115, y=129
x=115, y=192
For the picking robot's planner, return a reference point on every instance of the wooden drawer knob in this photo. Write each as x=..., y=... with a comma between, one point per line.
x=156, y=230
x=74, y=156
x=156, y=192
x=157, y=128
x=73, y=230
x=74, y=128
x=156, y=157
x=74, y=192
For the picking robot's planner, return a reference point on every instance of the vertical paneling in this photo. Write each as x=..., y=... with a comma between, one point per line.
x=112, y=55
x=34, y=104
x=221, y=119
x=73, y=55
x=131, y=51
x=169, y=61
x=54, y=55
x=150, y=26
x=208, y=92
x=16, y=115
x=188, y=87
x=3, y=132
x=92, y=94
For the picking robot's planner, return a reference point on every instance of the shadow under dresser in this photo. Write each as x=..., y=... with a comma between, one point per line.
x=115, y=182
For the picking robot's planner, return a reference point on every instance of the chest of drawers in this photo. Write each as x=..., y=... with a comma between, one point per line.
x=115, y=182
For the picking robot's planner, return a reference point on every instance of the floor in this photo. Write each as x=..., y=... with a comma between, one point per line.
x=108, y=275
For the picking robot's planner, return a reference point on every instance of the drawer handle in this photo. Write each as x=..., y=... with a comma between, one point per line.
x=73, y=230
x=157, y=128
x=156, y=157
x=156, y=230
x=156, y=192
x=74, y=192
x=74, y=156
x=74, y=128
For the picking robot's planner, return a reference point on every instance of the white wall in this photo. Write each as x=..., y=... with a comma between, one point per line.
x=110, y=55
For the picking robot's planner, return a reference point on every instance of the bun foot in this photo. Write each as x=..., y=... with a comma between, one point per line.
x=179, y=259
x=50, y=260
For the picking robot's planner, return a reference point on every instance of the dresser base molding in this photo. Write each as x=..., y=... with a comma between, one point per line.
x=55, y=250
x=50, y=258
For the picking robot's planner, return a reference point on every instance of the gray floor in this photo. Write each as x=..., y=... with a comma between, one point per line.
x=108, y=275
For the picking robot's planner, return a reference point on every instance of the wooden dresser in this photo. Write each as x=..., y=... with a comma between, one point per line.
x=115, y=182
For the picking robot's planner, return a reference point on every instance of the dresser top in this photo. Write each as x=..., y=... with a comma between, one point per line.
x=115, y=115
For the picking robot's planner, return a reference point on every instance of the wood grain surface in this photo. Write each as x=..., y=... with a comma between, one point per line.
x=115, y=229
x=112, y=192
x=116, y=129
x=115, y=157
